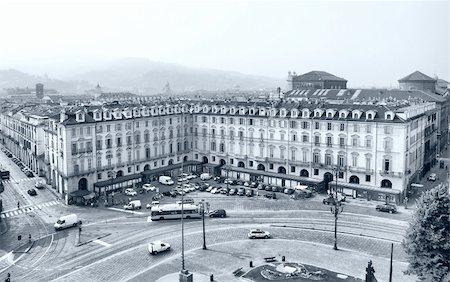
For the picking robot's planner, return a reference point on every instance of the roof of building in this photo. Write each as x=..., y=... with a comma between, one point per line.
x=417, y=76
x=318, y=76
x=365, y=94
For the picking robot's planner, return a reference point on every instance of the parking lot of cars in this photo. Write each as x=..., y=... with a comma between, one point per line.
x=17, y=161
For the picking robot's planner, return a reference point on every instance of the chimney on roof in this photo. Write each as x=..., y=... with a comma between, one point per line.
x=62, y=115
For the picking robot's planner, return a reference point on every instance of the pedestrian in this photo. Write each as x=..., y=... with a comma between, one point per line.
x=18, y=205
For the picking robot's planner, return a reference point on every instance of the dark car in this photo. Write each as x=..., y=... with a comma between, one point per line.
x=275, y=189
x=239, y=182
x=271, y=195
x=387, y=208
x=289, y=191
x=32, y=192
x=29, y=173
x=233, y=182
x=308, y=194
x=241, y=192
x=329, y=201
x=218, y=213
x=249, y=193
x=268, y=188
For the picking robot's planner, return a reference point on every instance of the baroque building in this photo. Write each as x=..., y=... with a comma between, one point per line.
x=284, y=143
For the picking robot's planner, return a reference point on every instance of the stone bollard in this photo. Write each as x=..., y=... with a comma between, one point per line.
x=283, y=258
x=251, y=263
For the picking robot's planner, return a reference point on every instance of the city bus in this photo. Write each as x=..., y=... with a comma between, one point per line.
x=173, y=211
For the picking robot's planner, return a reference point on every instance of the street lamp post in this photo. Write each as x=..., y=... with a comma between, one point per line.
x=336, y=209
x=203, y=208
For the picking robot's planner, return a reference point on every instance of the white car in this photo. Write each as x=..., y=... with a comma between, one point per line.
x=130, y=192
x=258, y=234
x=246, y=184
x=148, y=187
x=39, y=184
x=432, y=177
x=214, y=190
x=154, y=203
x=192, y=176
x=158, y=247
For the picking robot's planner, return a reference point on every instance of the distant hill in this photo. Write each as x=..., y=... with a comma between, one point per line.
x=143, y=74
x=11, y=78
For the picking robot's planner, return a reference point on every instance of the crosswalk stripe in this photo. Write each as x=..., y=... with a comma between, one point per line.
x=3, y=215
x=15, y=213
x=102, y=243
x=126, y=211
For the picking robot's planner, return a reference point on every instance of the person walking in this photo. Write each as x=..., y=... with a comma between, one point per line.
x=18, y=205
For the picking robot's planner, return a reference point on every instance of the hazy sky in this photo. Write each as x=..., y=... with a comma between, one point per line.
x=368, y=43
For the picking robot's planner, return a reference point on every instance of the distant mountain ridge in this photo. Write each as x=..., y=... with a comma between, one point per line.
x=141, y=76
x=144, y=74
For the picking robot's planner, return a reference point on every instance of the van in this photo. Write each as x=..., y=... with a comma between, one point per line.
x=67, y=221
x=158, y=247
x=133, y=205
x=205, y=176
x=166, y=180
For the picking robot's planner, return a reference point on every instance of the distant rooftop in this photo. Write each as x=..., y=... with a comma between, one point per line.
x=417, y=76
x=318, y=76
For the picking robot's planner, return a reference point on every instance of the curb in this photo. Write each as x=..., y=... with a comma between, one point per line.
x=89, y=241
x=3, y=226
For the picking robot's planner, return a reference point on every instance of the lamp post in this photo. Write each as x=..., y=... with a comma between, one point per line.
x=111, y=175
x=203, y=205
x=185, y=276
x=336, y=209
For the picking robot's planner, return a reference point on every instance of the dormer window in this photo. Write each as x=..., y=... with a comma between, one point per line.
x=305, y=114
x=252, y=111
x=205, y=109
x=262, y=112
x=355, y=116
x=97, y=115
x=342, y=115
x=329, y=115
x=369, y=116
x=389, y=115
x=283, y=113
x=232, y=111
x=294, y=113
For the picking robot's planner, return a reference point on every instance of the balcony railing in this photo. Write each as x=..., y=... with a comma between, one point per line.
x=361, y=170
x=299, y=163
x=82, y=151
x=391, y=173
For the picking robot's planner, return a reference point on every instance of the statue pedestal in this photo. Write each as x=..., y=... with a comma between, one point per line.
x=185, y=276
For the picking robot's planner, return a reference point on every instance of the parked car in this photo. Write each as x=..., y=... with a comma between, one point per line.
x=196, y=186
x=261, y=186
x=130, y=192
x=227, y=181
x=268, y=188
x=329, y=201
x=32, y=192
x=241, y=192
x=253, y=185
x=186, y=201
x=246, y=184
x=158, y=247
x=209, y=189
x=239, y=182
x=148, y=187
x=271, y=195
x=29, y=173
x=258, y=234
x=173, y=193
x=192, y=176
x=308, y=194
x=249, y=193
x=275, y=189
x=288, y=191
x=214, y=190
x=432, y=177
x=390, y=208
x=218, y=213
x=233, y=191
x=40, y=184
x=224, y=191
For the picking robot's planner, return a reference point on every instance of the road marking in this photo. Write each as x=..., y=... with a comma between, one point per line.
x=127, y=211
x=102, y=243
x=51, y=242
x=26, y=209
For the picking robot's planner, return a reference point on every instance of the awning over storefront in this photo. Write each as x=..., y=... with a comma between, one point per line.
x=116, y=180
x=89, y=196
x=357, y=186
x=169, y=167
x=79, y=193
x=273, y=174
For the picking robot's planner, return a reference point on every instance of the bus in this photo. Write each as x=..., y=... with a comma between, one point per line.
x=4, y=174
x=173, y=211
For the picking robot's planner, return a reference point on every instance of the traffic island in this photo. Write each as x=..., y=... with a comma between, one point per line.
x=292, y=271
